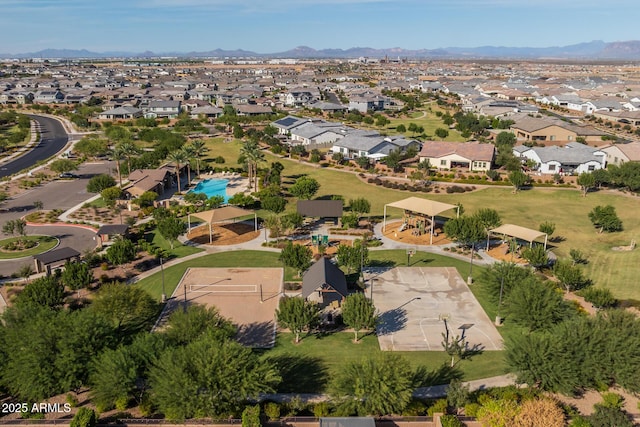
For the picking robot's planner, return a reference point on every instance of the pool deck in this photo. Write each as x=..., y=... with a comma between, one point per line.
x=237, y=183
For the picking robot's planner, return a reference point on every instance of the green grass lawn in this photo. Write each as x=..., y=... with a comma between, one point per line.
x=217, y=147
x=310, y=364
x=564, y=207
x=427, y=119
x=179, y=250
x=45, y=243
x=97, y=203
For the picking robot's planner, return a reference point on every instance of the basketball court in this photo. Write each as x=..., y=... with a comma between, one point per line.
x=415, y=304
x=248, y=297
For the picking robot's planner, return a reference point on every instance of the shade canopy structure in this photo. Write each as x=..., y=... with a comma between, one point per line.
x=221, y=214
x=519, y=232
x=422, y=206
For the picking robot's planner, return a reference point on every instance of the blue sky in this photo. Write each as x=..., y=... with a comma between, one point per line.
x=267, y=26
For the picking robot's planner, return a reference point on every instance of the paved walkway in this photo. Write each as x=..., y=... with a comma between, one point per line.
x=436, y=249
x=433, y=392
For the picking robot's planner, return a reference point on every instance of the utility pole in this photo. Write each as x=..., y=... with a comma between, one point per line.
x=164, y=295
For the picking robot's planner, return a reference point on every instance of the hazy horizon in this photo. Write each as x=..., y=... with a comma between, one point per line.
x=279, y=25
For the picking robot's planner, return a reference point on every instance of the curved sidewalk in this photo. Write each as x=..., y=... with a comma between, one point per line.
x=435, y=249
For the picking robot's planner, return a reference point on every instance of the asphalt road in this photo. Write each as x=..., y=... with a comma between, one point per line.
x=53, y=140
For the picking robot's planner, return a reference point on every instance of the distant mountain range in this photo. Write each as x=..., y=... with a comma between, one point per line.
x=595, y=50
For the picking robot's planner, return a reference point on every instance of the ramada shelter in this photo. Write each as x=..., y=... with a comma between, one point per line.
x=427, y=209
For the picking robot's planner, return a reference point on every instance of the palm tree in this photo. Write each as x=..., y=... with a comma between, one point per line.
x=129, y=149
x=179, y=158
x=118, y=155
x=199, y=149
x=257, y=157
x=189, y=154
x=253, y=156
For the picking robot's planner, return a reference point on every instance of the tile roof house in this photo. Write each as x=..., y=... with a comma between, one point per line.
x=472, y=156
x=143, y=180
x=548, y=130
x=617, y=154
x=573, y=158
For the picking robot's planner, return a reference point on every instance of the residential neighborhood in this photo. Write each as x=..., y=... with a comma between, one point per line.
x=347, y=241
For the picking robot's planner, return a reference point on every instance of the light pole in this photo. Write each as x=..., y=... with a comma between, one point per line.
x=498, y=318
x=470, y=277
x=164, y=296
x=371, y=285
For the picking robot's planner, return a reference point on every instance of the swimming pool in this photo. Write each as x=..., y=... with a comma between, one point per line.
x=213, y=187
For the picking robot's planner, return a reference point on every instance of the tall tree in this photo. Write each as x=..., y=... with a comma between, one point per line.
x=48, y=351
x=518, y=179
x=170, y=228
x=378, y=385
x=199, y=148
x=353, y=257
x=537, y=306
x=179, y=158
x=605, y=218
x=76, y=275
x=130, y=309
x=121, y=252
x=209, y=378
x=465, y=230
x=304, y=188
x=44, y=292
x=119, y=376
x=186, y=326
x=358, y=312
x=586, y=181
x=63, y=165
x=189, y=154
x=129, y=150
x=360, y=206
x=296, y=256
x=297, y=315
x=118, y=155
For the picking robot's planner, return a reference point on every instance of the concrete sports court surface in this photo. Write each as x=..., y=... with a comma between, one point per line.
x=247, y=296
x=412, y=300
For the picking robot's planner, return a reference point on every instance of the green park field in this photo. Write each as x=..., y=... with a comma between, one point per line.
x=564, y=207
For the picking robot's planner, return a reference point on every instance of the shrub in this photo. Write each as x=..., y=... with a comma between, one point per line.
x=439, y=406
x=100, y=182
x=451, y=421
x=321, y=409
x=414, y=409
x=71, y=400
x=471, y=409
x=599, y=297
x=272, y=411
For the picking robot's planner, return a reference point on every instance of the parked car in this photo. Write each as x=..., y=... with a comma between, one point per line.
x=68, y=175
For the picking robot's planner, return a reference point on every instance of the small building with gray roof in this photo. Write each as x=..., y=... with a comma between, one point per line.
x=324, y=283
